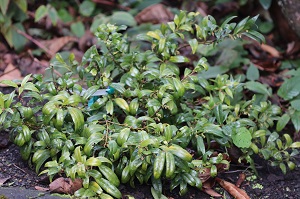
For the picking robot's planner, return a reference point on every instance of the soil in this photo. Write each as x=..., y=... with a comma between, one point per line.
x=271, y=183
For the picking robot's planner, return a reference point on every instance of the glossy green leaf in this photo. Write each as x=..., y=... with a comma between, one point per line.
x=179, y=59
x=109, y=107
x=92, y=161
x=122, y=104
x=194, y=45
x=77, y=118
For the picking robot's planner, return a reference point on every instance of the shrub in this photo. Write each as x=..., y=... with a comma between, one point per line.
x=127, y=114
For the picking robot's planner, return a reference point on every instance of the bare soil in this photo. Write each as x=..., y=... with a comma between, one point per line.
x=271, y=183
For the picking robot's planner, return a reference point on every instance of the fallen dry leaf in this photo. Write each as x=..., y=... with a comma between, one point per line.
x=41, y=188
x=211, y=192
x=232, y=189
x=241, y=179
x=11, y=73
x=271, y=50
x=3, y=180
x=154, y=14
x=65, y=185
x=54, y=45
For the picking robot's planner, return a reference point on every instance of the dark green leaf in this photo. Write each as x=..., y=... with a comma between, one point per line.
x=296, y=120
x=282, y=122
x=252, y=73
x=257, y=88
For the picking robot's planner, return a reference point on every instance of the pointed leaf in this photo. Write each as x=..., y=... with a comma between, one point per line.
x=77, y=118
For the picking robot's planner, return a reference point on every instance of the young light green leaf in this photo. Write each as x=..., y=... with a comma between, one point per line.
x=41, y=12
x=9, y=83
x=194, y=45
x=122, y=104
x=178, y=59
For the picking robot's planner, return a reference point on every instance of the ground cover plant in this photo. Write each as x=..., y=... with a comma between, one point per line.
x=129, y=115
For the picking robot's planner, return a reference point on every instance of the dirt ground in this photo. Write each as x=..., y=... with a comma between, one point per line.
x=271, y=183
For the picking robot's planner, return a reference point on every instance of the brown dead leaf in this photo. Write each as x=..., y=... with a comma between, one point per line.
x=232, y=189
x=54, y=45
x=3, y=180
x=211, y=192
x=11, y=73
x=65, y=185
x=241, y=179
x=154, y=14
x=41, y=188
x=271, y=50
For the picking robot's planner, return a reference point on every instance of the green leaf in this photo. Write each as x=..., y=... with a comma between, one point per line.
x=257, y=88
x=295, y=145
x=282, y=122
x=92, y=161
x=31, y=87
x=53, y=15
x=109, y=107
x=77, y=118
x=39, y=157
x=242, y=137
x=122, y=18
x=266, y=4
x=178, y=59
x=227, y=21
x=4, y=5
x=296, y=104
x=86, y=8
x=41, y=12
x=9, y=83
x=290, y=88
x=255, y=35
x=252, y=73
x=154, y=35
x=296, y=120
x=89, y=92
x=119, y=87
x=194, y=45
x=122, y=104
x=240, y=26
x=78, y=29
x=200, y=145
x=22, y=4
x=25, y=80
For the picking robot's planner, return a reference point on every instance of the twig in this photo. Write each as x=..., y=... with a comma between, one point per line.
x=36, y=42
x=19, y=168
x=8, y=71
